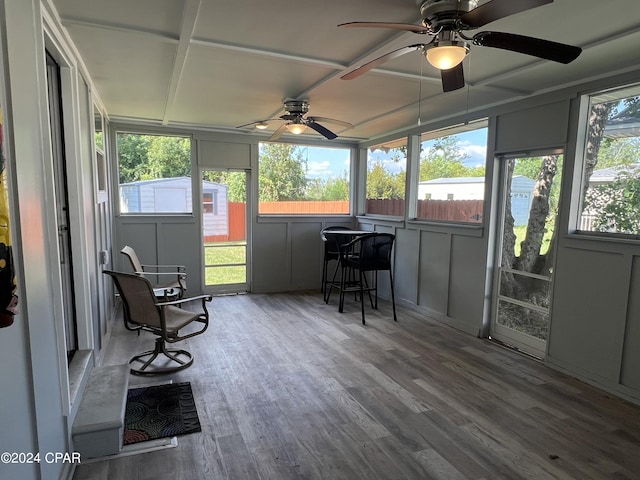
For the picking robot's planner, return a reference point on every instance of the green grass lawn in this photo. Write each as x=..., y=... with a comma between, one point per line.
x=521, y=231
x=219, y=261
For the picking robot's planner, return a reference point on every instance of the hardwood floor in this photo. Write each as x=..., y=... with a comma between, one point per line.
x=288, y=388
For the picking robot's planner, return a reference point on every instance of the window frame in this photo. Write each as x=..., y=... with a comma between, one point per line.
x=394, y=144
x=587, y=101
x=118, y=130
x=350, y=170
x=467, y=127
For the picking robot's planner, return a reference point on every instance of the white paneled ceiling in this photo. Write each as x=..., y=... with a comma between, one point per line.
x=218, y=64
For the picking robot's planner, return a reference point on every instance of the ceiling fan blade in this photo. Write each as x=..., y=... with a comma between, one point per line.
x=452, y=79
x=322, y=130
x=557, y=52
x=278, y=133
x=497, y=9
x=330, y=120
x=258, y=121
x=248, y=124
x=380, y=60
x=397, y=26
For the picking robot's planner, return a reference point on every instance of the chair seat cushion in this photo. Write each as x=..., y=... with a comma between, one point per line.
x=177, y=318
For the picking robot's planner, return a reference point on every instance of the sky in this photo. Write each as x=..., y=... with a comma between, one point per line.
x=327, y=163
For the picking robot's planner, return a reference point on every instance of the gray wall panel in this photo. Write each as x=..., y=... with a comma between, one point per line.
x=407, y=249
x=631, y=354
x=224, y=155
x=467, y=281
x=433, y=277
x=306, y=255
x=589, y=309
x=271, y=269
x=535, y=127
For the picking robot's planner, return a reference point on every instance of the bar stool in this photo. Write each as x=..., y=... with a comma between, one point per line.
x=332, y=244
x=366, y=253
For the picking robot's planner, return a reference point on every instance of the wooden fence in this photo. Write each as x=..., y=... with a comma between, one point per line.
x=451, y=210
x=306, y=207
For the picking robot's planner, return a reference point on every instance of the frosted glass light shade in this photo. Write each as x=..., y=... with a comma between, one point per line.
x=261, y=125
x=444, y=57
x=296, y=128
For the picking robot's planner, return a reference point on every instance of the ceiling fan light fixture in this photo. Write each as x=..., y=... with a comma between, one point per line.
x=296, y=128
x=445, y=55
x=261, y=125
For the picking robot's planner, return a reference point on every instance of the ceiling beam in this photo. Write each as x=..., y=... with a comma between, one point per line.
x=189, y=18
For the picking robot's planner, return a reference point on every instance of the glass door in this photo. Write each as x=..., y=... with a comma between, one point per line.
x=530, y=193
x=224, y=231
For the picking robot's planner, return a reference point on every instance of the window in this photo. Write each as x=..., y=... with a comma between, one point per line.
x=303, y=180
x=386, y=177
x=210, y=202
x=101, y=166
x=154, y=173
x=610, y=200
x=452, y=174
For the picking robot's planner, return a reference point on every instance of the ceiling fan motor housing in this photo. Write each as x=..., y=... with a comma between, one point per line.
x=436, y=13
x=296, y=106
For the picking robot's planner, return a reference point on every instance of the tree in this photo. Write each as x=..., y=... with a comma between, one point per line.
x=235, y=181
x=384, y=185
x=617, y=204
x=618, y=151
x=445, y=159
x=330, y=189
x=538, y=213
x=337, y=188
x=168, y=157
x=132, y=156
x=282, y=172
x=147, y=157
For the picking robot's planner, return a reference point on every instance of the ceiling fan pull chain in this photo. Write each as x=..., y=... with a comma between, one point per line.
x=420, y=94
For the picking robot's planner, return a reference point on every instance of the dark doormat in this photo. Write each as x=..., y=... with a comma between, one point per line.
x=159, y=411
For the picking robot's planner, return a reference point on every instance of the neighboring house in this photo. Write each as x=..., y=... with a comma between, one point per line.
x=609, y=174
x=173, y=195
x=472, y=188
x=460, y=188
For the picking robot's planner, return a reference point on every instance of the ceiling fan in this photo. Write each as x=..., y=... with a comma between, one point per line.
x=446, y=20
x=296, y=122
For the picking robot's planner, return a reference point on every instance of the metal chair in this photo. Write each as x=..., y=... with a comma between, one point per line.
x=169, y=280
x=366, y=253
x=332, y=242
x=143, y=312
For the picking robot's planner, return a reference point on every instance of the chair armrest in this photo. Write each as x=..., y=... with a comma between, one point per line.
x=180, y=274
x=179, y=268
x=206, y=298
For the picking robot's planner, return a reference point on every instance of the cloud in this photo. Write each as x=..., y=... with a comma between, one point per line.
x=319, y=169
x=477, y=154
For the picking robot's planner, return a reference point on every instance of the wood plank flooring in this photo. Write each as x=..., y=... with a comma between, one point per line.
x=288, y=388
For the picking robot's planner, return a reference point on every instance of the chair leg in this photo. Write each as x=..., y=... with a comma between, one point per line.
x=343, y=286
x=368, y=290
x=327, y=292
x=323, y=286
x=361, y=283
x=393, y=297
x=161, y=350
